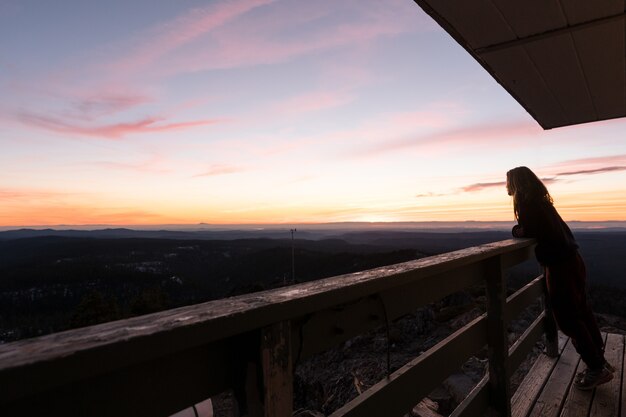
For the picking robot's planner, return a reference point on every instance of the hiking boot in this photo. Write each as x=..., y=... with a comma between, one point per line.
x=592, y=378
x=607, y=366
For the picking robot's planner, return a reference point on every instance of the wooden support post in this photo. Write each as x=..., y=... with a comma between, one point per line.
x=551, y=335
x=276, y=357
x=499, y=392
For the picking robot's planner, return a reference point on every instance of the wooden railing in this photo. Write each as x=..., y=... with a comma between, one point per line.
x=158, y=364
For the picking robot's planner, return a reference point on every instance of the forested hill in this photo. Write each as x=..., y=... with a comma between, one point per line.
x=51, y=283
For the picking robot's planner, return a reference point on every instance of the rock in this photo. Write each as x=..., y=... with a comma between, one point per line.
x=464, y=318
x=446, y=314
x=475, y=368
x=459, y=386
x=460, y=298
x=424, y=320
x=426, y=408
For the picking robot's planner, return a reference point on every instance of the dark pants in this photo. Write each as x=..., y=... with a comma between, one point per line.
x=566, y=283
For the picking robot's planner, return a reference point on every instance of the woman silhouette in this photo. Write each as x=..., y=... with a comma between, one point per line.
x=565, y=272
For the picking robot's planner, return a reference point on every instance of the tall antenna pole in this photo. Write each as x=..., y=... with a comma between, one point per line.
x=293, y=257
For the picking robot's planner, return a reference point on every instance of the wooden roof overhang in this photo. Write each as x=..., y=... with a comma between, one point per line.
x=564, y=61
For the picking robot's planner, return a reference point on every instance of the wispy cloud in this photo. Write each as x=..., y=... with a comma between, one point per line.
x=431, y=194
x=152, y=165
x=479, y=186
x=443, y=140
x=593, y=171
x=559, y=174
x=220, y=169
x=482, y=185
x=174, y=34
x=108, y=131
x=103, y=104
x=227, y=35
x=590, y=163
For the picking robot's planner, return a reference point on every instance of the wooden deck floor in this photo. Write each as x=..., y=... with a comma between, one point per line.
x=547, y=390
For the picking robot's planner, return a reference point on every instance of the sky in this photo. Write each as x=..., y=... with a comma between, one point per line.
x=270, y=111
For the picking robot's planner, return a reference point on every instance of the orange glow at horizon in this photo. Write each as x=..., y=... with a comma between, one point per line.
x=576, y=206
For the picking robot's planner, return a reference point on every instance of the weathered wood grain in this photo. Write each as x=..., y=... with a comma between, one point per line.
x=622, y=373
x=277, y=363
x=551, y=399
x=26, y=366
x=497, y=337
x=578, y=402
x=606, y=399
x=426, y=408
x=401, y=300
x=156, y=388
x=524, y=397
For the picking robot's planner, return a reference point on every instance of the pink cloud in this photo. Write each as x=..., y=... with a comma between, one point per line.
x=556, y=177
x=431, y=194
x=220, y=169
x=444, y=140
x=102, y=104
x=171, y=35
x=226, y=34
x=594, y=171
x=108, y=131
x=235, y=49
x=597, y=162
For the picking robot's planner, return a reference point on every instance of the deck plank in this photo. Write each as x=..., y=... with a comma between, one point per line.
x=606, y=398
x=551, y=398
x=621, y=372
x=578, y=403
x=526, y=394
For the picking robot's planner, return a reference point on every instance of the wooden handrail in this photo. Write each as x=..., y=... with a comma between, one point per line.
x=179, y=357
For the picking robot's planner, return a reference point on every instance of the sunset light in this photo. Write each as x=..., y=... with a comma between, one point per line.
x=270, y=112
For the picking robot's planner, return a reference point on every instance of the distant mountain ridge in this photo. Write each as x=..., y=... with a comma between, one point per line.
x=279, y=231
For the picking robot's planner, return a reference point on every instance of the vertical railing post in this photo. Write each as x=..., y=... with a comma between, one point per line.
x=551, y=335
x=277, y=362
x=497, y=337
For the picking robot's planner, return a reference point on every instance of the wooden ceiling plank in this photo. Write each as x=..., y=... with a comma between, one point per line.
x=514, y=70
x=522, y=16
x=556, y=59
x=579, y=11
x=604, y=67
x=620, y=17
x=479, y=22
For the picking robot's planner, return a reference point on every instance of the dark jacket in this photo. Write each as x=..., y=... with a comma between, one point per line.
x=555, y=241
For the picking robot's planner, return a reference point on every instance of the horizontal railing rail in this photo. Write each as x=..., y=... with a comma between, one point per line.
x=161, y=363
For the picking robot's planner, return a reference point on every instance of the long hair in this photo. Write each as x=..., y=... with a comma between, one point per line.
x=525, y=187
